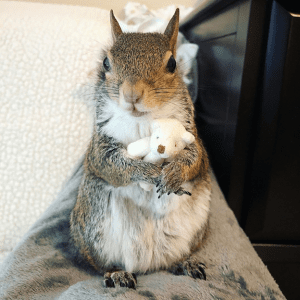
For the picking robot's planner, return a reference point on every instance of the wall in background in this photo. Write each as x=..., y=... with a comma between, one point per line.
x=117, y=5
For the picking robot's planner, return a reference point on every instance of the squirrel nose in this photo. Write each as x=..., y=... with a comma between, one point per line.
x=132, y=94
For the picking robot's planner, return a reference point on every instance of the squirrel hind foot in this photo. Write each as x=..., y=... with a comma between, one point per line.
x=189, y=267
x=120, y=278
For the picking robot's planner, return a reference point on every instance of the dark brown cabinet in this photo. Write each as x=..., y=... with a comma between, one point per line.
x=248, y=114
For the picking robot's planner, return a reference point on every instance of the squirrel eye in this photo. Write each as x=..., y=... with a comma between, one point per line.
x=106, y=64
x=171, y=65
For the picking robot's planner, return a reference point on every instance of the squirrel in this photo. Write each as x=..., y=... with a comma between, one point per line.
x=116, y=226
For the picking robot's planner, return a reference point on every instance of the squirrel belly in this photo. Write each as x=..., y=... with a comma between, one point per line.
x=138, y=231
x=148, y=239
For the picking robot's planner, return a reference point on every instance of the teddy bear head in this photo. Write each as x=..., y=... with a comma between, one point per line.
x=169, y=138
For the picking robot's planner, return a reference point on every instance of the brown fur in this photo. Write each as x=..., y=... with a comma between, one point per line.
x=200, y=165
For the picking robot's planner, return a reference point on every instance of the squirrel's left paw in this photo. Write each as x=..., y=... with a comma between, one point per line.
x=171, y=180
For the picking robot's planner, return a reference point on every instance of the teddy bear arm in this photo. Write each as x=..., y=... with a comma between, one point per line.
x=139, y=148
x=188, y=138
x=153, y=158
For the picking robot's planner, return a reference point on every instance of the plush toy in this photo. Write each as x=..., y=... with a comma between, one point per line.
x=168, y=138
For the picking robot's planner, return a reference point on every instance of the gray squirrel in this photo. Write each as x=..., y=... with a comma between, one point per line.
x=116, y=226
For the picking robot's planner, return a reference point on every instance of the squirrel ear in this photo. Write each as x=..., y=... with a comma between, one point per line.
x=115, y=27
x=172, y=31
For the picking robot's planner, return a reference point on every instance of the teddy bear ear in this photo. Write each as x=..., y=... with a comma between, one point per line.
x=188, y=137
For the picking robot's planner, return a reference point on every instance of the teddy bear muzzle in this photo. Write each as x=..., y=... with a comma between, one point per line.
x=161, y=149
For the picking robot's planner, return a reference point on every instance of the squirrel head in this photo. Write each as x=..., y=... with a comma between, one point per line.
x=139, y=71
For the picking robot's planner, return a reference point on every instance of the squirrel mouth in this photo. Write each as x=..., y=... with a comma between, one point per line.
x=137, y=113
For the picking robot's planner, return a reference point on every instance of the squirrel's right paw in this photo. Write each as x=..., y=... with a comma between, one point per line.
x=171, y=181
x=151, y=173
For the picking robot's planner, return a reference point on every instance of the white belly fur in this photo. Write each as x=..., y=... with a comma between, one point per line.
x=152, y=235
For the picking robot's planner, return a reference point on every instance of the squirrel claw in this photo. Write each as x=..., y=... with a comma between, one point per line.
x=187, y=193
x=160, y=192
x=180, y=192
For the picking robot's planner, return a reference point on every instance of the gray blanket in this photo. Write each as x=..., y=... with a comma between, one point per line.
x=42, y=265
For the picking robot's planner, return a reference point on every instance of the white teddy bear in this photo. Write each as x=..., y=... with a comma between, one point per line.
x=168, y=138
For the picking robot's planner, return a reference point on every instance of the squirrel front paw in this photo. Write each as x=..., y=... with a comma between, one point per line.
x=171, y=181
x=120, y=278
x=150, y=173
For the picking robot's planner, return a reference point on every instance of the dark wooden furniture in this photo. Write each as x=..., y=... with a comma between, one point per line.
x=248, y=113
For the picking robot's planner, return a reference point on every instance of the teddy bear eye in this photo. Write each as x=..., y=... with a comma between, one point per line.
x=171, y=65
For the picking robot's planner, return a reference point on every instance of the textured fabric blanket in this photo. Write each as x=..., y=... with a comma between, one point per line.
x=46, y=55
x=42, y=266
